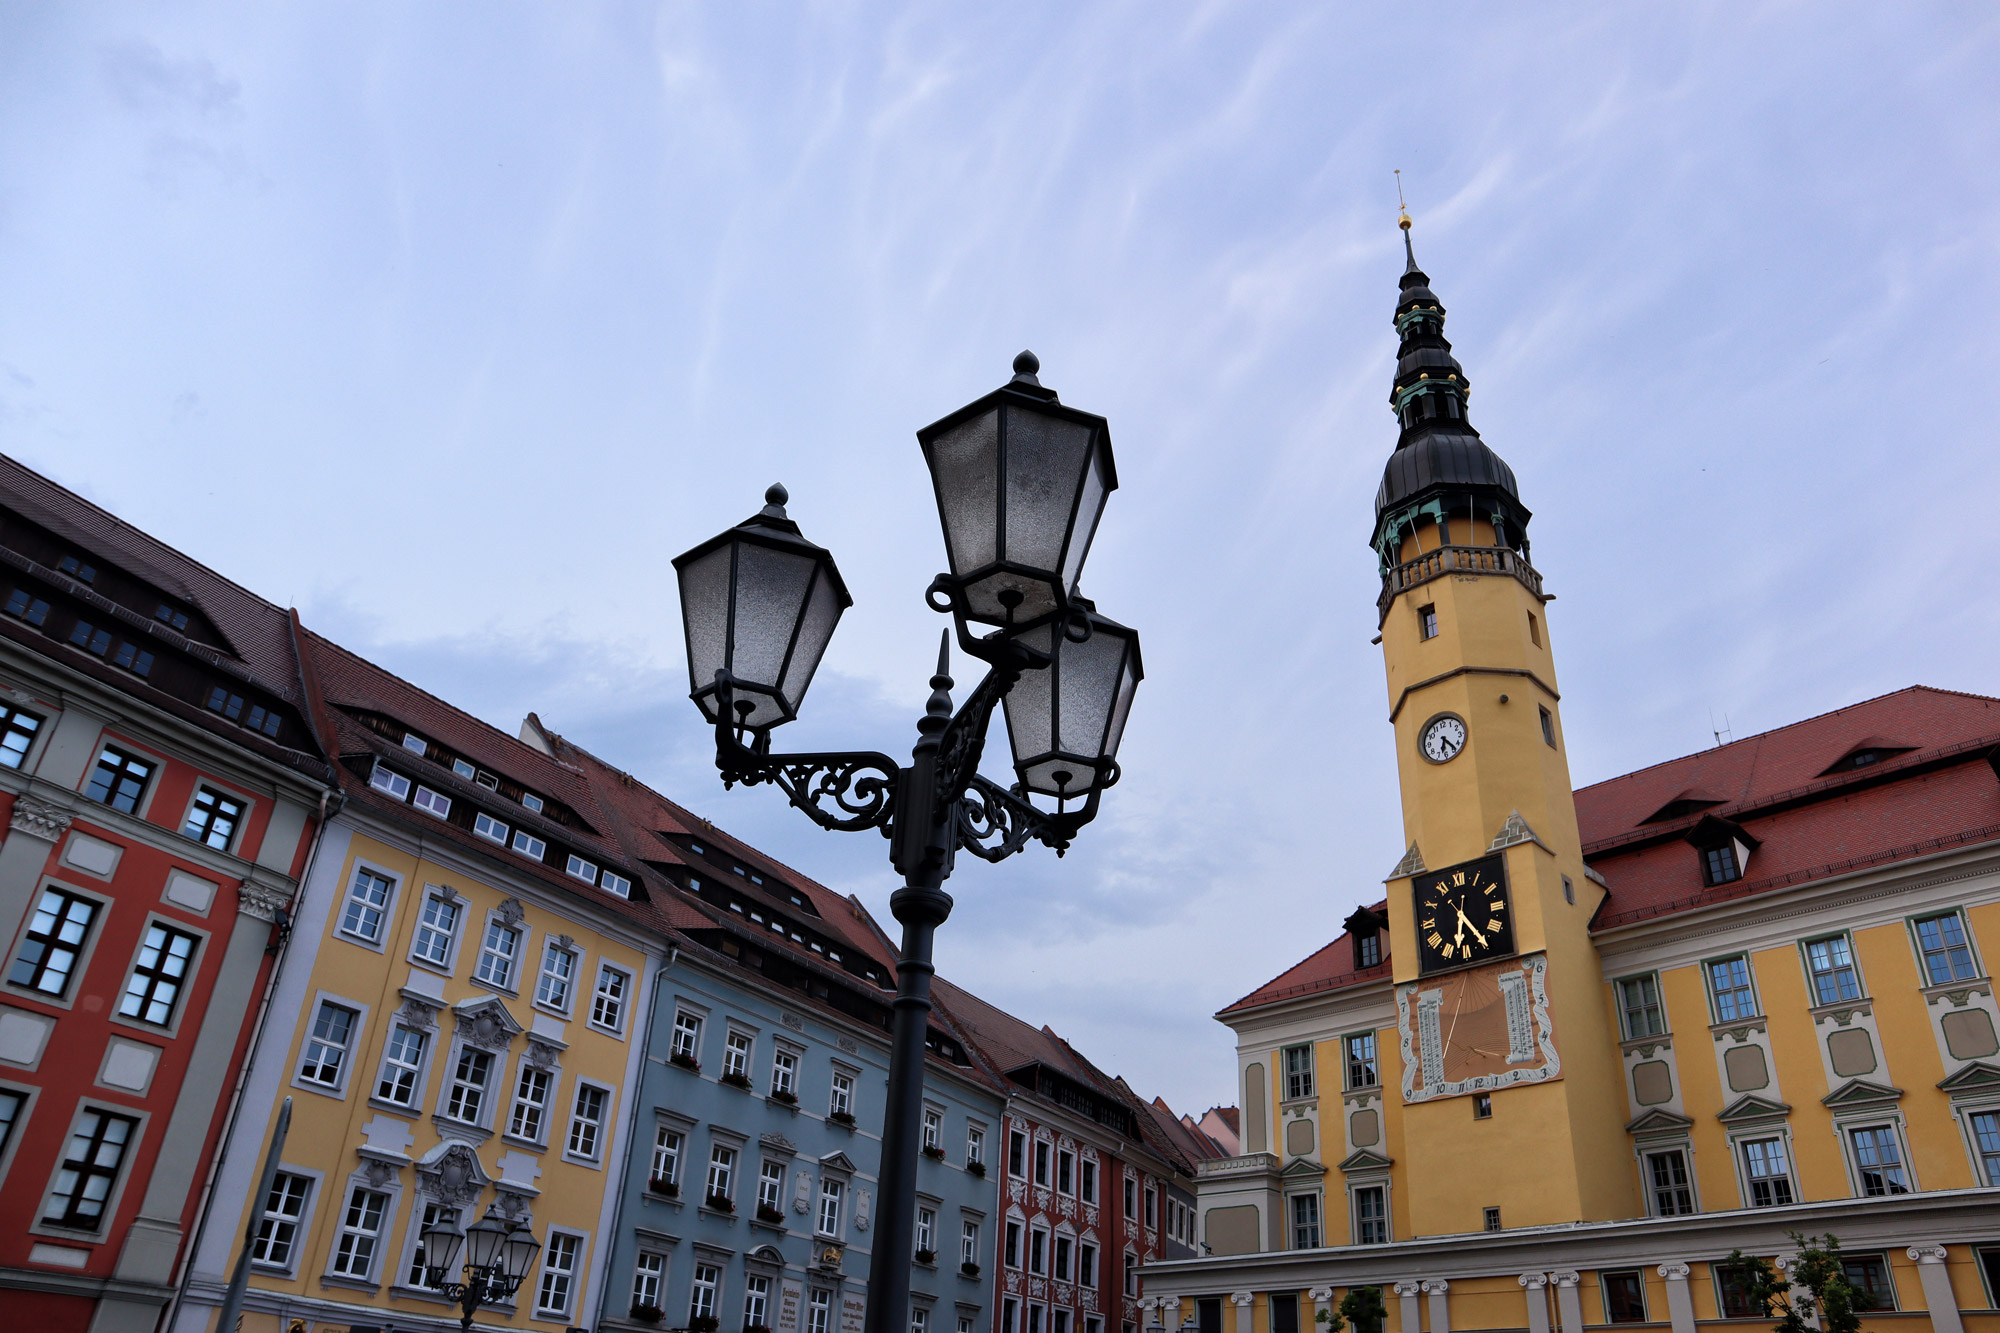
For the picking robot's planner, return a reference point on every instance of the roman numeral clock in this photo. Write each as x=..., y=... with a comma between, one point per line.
x=1477, y=1017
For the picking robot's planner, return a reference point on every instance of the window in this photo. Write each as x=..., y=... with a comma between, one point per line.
x=154, y=987
x=586, y=1121
x=1131, y=1273
x=31, y=609
x=1087, y=1189
x=933, y=1132
x=920, y=1319
x=468, y=1085
x=1729, y=982
x=771, y=1186
x=830, y=1192
x=1368, y=949
x=415, y=743
x=171, y=618
x=756, y=1300
x=1869, y=1276
x=213, y=818
x=435, y=1214
x=491, y=829
x=367, y=905
x=402, y=1063
x=1427, y=621
x=1038, y=1250
x=531, y=1104
x=1013, y=1249
x=667, y=1156
x=17, y=733
x=53, y=942
x=819, y=1305
x=1718, y=864
x=532, y=801
x=10, y=1116
x=360, y=1230
x=687, y=1036
x=1298, y=1072
x=530, y=846
x=1879, y=1160
x=1086, y=1264
x=558, y=969
x=266, y=720
x=607, y=1006
x=389, y=781
x=1985, y=1138
x=326, y=1048
x=578, y=868
x=721, y=1171
x=1482, y=1106
x=1734, y=1293
x=841, y=1102
x=1131, y=1199
x=1941, y=940
x=736, y=1056
x=432, y=802
x=968, y=1241
x=134, y=659
x=90, y=1166
x=436, y=926
x=927, y=1230
x=1639, y=1000
x=1371, y=1215
x=1667, y=1178
x=1305, y=1221
x=1831, y=963
x=1548, y=727
x=90, y=638
x=496, y=955
x=220, y=700
x=1569, y=890
x=464, y=769
x=119, y=780
x=1017, y=1153
x=1042, y=1151
x=646, y=1275
x=785, y=1074
x=1361, y=1068
x=1764, y=1169
x=552, y=1294
x=1152, y=1207
x=1624, y=1297
x=278, y=1227
x=615, y=884
x=1534, y=630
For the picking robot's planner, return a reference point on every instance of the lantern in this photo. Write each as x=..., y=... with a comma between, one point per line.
x=1065, y=721
x=1021, y=481
x=482, y=1243
x=517, y=1254
x=440, y=1245
x=760, y=603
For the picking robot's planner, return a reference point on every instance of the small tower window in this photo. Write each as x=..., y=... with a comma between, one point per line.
x=1492, y=1219
x=1368, y=950
x=1569, y=891
x=1482, y=1106
x=1427, y=621
x=1549, y=727
x=1534, y=630
x=1719, y=864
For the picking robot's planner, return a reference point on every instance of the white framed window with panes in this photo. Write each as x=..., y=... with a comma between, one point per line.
x=440, y=925
x=975, y=1143
x=771, y=1186
x=1666, y=1174
x=1832, y=974
x=968, y=1242
x=498, y=965
x=469, y=1086
x=368, y=910
x=684, y=1046
x=1732, y=988
x=649, y=1271
x=832, y=1201
x=785, y=1072
x=669, y=1152
x=1764, y=1172
x=589, y=1123
x=1369, y=1219
x=719, y=1185
x=1981, y=1122
x=739, y=1046
x=424, y=1214
x=611, y=999
x=927, y=1229
x=555, y=984
x=1641, y=1011
x=360, y=1238
x=561, y=1275
x=332, y=1042
x=757, y=1300
x=406, y=1060
x=1300, y=1083
x=528, y=1116
x=932, y=1131
x=284, y=1221
x=840, y=1095
x=1946, y=951
x=1877, y=1151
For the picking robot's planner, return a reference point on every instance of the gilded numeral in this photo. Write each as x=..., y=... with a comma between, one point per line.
x=1435, y=940
x=1458, y=879
x=1493, y=923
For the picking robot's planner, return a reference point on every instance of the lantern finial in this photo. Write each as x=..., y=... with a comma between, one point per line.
x=774, y=499
x=1025, y=366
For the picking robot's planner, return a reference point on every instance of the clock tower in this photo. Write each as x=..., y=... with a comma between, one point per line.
x=1505, y=1046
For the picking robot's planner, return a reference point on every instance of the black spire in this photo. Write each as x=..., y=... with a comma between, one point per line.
x=1441, y=466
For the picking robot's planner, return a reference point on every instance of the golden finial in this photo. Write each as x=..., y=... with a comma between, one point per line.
x=1403, y=220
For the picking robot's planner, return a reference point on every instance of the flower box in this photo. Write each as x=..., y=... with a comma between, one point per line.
x=976, y=1167
x=845, y=1119
x=928, y=1258
x=968, y=1270
x=702, y=1323
x=721, y=1203
x=663, y=1187
x=934, y=1152
x=685, y=1061
x=773, y=1216
x=735, y=1081
x=648, y=1314
x=783, y=1098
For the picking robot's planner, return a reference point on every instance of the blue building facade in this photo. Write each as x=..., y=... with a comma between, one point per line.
x=749, y=1193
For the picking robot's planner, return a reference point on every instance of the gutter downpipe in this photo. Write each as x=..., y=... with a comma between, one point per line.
x=638, y=1108
x=331, y=802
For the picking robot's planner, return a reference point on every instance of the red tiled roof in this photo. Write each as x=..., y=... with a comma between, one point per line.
x=1332, y=968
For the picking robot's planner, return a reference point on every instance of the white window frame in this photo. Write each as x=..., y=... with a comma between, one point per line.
x=451, y=901
x=484, y=826
x=649, y=1276
x=345, y=1231
x=495, y=1070
x=722, y=1159
x=1848, y=1127
x=840, y=1097
x=389, y=782
x=530, y=801
x=1302, y=1083
x=553, y=949
x=1293, y=1225
x=785, y=1070
x=419, y=1073
x=757, y=1299
x=302, y=1223
x=771, y=1174
x=827, y=1217
x=705, y=1292
x=578, y=867
x=738, y=1049
x=615, y=884
x=968, y=1240
x=599, y=996
x=1355, y=1189
x=496, y=923
x=599, y=1128
x=568, y=1277
x=385, y=915
x=528, y=845
x=1739, y=1157
x=433, y=803
x=975, y=1144
x=932, y=1134
x=521, y=1105
x=672, y=1154
x=686, y=1035
x=1971, y=947
x=350, y=1052
x=1645, y=1152
x=926, y=1228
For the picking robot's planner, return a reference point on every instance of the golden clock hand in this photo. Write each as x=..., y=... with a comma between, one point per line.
x=1467, y=925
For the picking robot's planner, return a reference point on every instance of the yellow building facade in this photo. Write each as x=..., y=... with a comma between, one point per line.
x=1592, y=1042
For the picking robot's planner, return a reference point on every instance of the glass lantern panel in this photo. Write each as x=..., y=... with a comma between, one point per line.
x=705, y=612
x=482, y=1242
x=965, y=464
x=1090, y=675
x=1030, y=715
x=1128, y=685
x=771, y=591
x=822, y=614
x=1088, y=510
x=1045, y=467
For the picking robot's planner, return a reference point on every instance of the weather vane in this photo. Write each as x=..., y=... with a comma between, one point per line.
x=1403, y=220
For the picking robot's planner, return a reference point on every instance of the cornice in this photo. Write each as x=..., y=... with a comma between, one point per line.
x=1442, y=676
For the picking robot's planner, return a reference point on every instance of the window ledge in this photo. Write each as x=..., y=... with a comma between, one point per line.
x=590, y=1162
x=1737, y=1027
x=1362, y=1094
x=1843, y=1012
x=497, y=990
x=1957, y=992
x=1647, y=1045
x=394, y=1108
x=349, y=1283
x=564, y=1014
x=729, y=1218
x=519, y=1142
x=1304, y=1103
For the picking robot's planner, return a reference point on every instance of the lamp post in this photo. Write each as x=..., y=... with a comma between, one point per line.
x=498, y=1255
x=1021, y=482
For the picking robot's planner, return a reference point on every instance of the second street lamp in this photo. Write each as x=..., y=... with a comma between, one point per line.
x=498, y=1255
x=1021, y=481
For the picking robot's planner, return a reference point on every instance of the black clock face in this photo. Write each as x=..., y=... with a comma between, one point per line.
x=1463, y=915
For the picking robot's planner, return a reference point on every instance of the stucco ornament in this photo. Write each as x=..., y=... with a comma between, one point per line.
x=454, y=1175
x=418, y=1014
x=39, y=819
x=802, y=1193
x=488, y=1026
x=863, y=1204
x=512, y=912
x=540, y=1055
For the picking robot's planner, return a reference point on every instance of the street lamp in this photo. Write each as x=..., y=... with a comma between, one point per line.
x=498, y=1256
x=1021, y=482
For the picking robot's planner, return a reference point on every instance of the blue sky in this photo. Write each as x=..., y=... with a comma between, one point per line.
x=451, y=325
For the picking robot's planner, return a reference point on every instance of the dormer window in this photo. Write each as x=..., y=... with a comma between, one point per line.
x=31, y=609
x=171, y=618
x=77, y=569
x=579, y=868
x=487, y=780
x=1719, y=865
x=464, y=770
x=1866, y=753
x=616, y=884
x=415, y=743
x=1725, y=849
x=1368, y=950
x=532, y=801
x=527, y=844
x=390, y=781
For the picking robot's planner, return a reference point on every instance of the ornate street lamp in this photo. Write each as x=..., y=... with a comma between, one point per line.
x=1021, y=481
x=498, y=1255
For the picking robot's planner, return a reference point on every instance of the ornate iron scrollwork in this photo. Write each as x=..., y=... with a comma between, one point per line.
x=847, y=792
x=994, y=823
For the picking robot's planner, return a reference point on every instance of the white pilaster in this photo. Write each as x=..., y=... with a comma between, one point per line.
x=1241, y=1300
x=1440, y=1302
x=1680, y=1302
x=1538, y=1301
x=1413, y=1316
x=1569, y=1302
x=1929, y=1260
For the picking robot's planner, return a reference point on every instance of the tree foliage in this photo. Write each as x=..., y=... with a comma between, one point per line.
x=1816, y=1285
x=1363, y=1308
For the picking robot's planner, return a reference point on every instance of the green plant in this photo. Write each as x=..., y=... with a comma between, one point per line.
x=1816, y=1294
x=1362, y=1307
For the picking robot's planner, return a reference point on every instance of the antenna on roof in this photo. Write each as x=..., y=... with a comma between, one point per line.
x=1719, y=732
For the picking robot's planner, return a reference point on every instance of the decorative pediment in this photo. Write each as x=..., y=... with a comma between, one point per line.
x=1304, y=1166
x=1658, y=1121
x=485, y=1023
x=777, y=1143
x=1860, y=1092
x=764, y=1256
x=1975, y=1077
x=1366, y=1159
x=1411, y=864
x=511, y=911
x=837, y=1161
x=1513, y=832
x=1752, y=1107
x=451, y=1173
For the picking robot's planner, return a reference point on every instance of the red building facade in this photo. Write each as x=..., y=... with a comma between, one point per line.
x=162, y=793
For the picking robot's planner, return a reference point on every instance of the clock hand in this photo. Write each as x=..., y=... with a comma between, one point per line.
x=1467, y=925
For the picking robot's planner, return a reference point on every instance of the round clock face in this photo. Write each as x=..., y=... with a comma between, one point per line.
x=1443, y=737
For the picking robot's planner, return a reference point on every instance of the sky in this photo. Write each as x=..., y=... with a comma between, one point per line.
x=451, y=325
